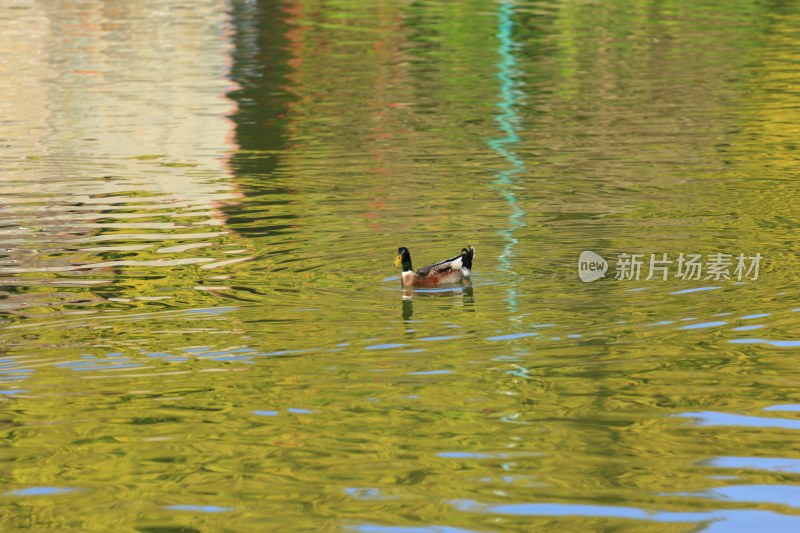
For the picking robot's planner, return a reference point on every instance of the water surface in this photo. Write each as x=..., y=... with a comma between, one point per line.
x=202, y=330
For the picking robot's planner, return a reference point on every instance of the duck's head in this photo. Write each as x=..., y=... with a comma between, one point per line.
x=403, y=259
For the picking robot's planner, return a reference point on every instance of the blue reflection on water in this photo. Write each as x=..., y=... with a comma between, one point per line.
x=488, y=455
x=200, y=508
x=704, y=325
x=90, y=363
x=757, y=315
x=439, y=338
x=711, y=418
x=777, y=344
x=772, y=464
x=39, y=491
x=512, y=336
x=791, y=407
x=716, y=521
x=386, y=346
x=368, y=493
x=371, y=528
x=697, y=289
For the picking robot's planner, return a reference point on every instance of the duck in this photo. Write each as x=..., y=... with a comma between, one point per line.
x=453, y=270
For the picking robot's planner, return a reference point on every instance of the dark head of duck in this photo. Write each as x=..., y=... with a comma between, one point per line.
x=403, y=259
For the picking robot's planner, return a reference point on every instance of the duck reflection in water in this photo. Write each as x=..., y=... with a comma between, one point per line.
x=409, y=293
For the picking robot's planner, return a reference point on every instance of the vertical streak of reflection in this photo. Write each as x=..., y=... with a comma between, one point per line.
x=508, y=120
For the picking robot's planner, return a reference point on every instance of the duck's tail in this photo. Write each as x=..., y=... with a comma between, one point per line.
x=466, y=256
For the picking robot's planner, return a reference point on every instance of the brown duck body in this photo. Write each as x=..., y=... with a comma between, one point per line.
x=454, y=270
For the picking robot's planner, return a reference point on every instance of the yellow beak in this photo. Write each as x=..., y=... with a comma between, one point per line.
x=398, y=261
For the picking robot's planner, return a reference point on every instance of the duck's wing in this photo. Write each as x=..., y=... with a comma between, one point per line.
x=448, y=265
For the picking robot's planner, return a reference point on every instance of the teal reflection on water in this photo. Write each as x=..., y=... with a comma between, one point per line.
x=508, y=121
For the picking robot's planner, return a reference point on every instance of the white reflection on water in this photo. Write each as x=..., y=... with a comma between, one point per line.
x=119, y=108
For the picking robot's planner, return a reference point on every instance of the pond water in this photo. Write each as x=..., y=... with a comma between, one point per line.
x=202, y=329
